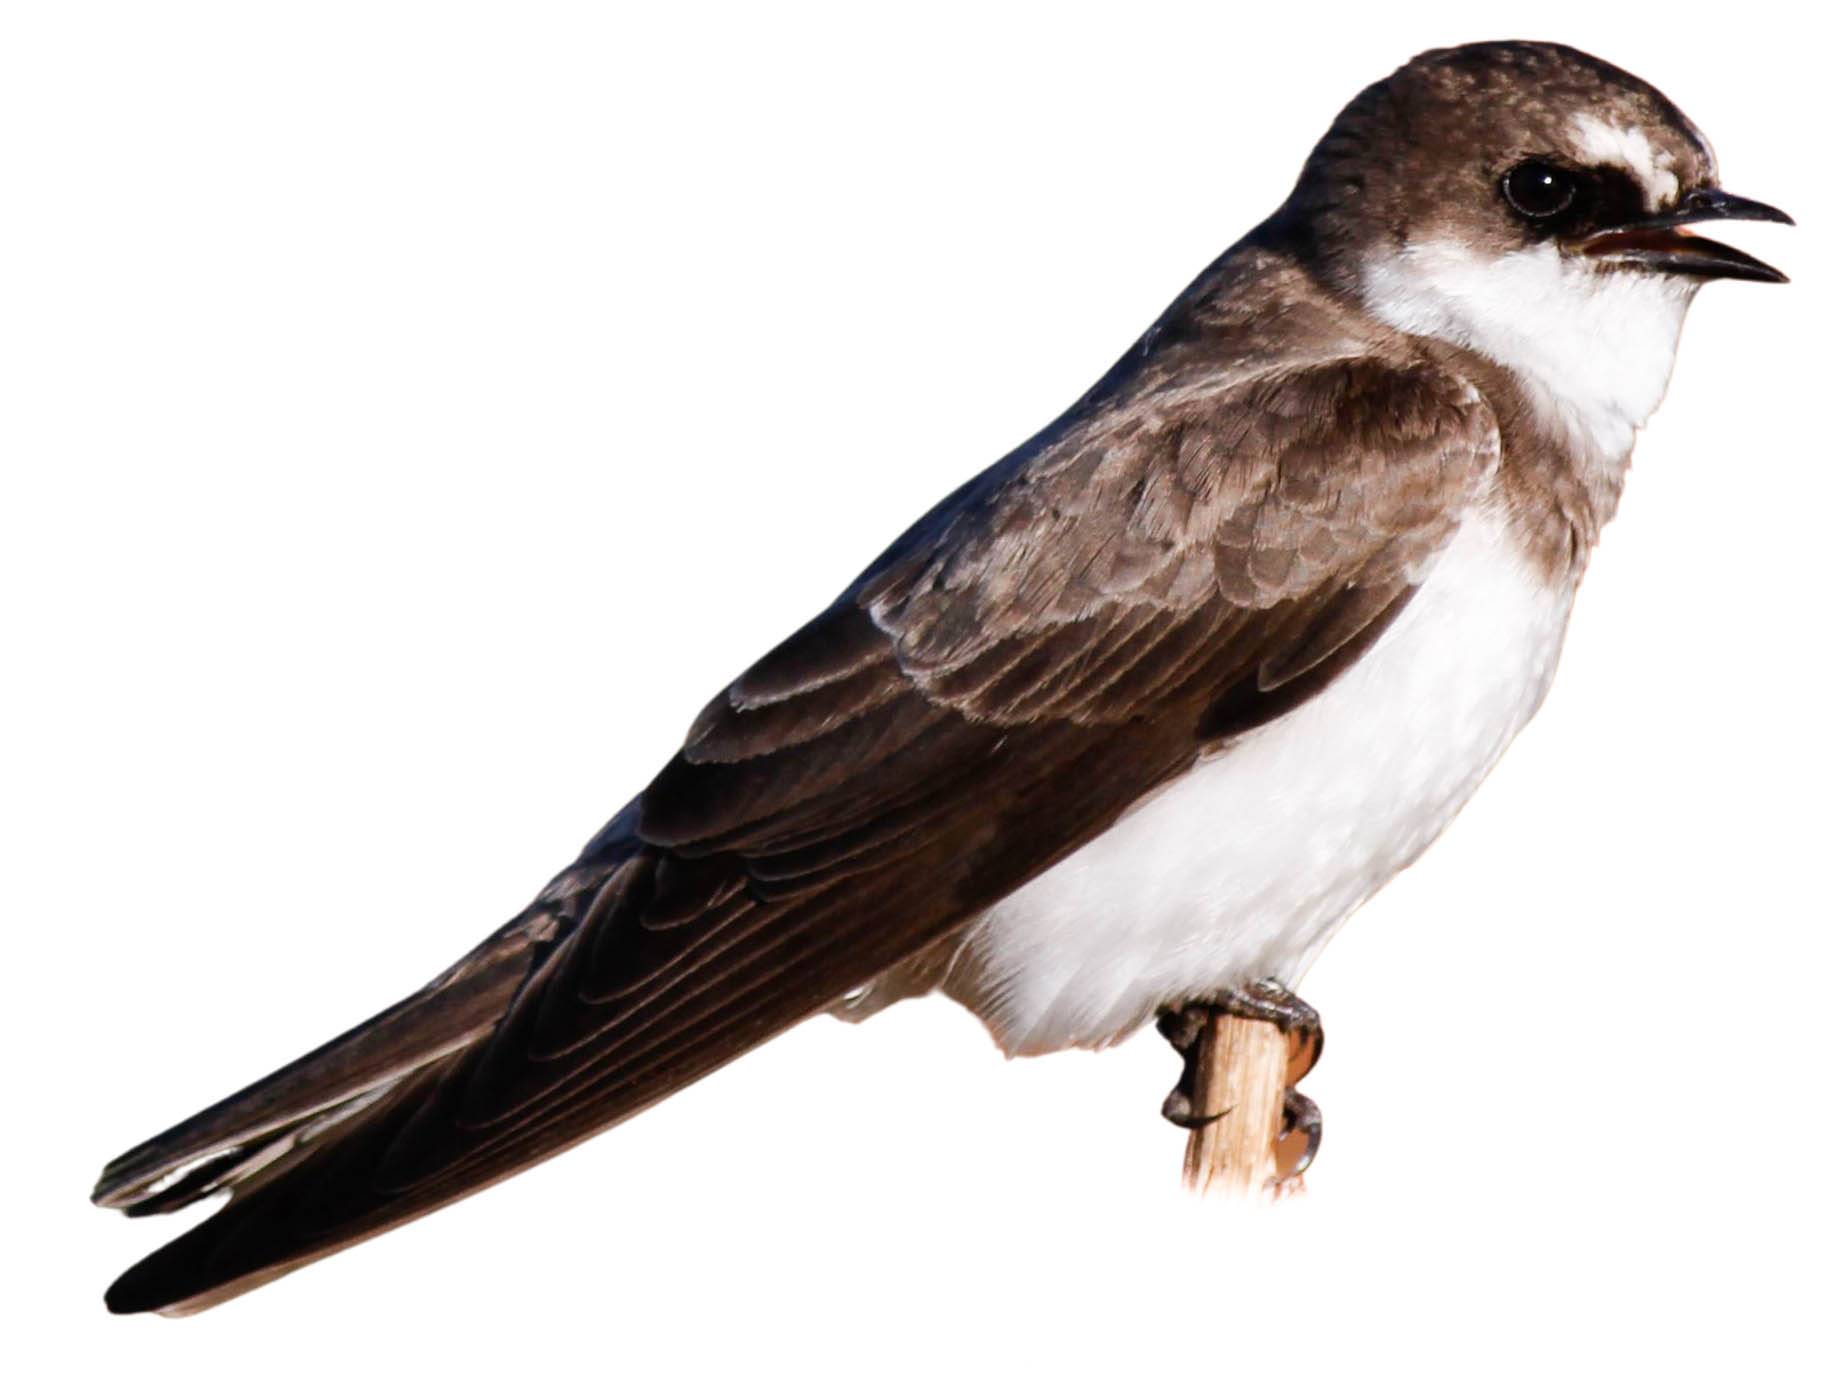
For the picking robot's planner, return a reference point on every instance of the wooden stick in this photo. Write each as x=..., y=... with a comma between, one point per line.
x=1241, y=1074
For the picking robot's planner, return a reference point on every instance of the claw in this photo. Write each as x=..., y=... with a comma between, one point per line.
x=1300, y=1134
x=1179, y=1111
x=1183, y=1028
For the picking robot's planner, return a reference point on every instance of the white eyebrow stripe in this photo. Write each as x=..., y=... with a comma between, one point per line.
x=1629, y=149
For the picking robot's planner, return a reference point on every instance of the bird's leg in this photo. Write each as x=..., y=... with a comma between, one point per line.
x=1302, y=1127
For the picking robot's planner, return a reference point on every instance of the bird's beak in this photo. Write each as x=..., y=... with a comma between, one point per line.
x=1662, y=243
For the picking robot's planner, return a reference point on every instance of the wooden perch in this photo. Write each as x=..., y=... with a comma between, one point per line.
x=1240, y=1075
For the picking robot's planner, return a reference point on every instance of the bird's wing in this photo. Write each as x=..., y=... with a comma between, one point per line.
x=1187, y=559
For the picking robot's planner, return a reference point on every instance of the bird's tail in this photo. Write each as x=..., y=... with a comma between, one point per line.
x=258, y=1134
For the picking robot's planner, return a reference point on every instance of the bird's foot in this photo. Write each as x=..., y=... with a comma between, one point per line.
x=1268, y=1000
x=1302, y=1126
x=1183, y=1027
x=1301, y=1132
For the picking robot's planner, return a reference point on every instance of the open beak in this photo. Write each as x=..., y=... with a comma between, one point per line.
x=1663, y=244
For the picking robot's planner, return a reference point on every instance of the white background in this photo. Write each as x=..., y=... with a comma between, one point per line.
x=414, y=413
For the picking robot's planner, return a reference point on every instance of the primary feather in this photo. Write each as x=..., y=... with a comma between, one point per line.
x=1202, y=544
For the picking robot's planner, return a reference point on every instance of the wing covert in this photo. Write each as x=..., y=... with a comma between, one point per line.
x=1191, y=554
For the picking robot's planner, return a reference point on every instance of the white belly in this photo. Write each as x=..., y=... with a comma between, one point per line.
x=1243, y=868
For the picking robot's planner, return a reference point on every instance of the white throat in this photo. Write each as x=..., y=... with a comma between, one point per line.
x=1593, y=347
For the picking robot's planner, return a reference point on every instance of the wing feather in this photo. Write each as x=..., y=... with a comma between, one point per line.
x=1195, y=550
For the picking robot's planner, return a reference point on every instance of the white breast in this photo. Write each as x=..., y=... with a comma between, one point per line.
x=1244, y=867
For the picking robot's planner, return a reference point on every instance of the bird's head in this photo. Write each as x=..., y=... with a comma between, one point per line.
x=1530, y=202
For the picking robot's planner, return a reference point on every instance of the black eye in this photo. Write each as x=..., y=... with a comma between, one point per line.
x=1539, y=190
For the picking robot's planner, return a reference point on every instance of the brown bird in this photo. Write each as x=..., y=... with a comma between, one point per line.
x=1124, y=727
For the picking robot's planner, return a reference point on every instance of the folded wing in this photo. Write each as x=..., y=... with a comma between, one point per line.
x=1184, y=558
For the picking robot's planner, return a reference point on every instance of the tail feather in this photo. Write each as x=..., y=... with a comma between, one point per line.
x=238, y=1141
x=251, y=1242
x=587, y=1009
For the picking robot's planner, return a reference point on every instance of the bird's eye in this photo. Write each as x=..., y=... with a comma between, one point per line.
x=1539, y=191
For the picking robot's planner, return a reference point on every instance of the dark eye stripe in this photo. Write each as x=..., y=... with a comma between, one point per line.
x=1549, y=197
x=1616, y=198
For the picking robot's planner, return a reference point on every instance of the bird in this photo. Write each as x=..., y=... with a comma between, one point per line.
x=1121, y=730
